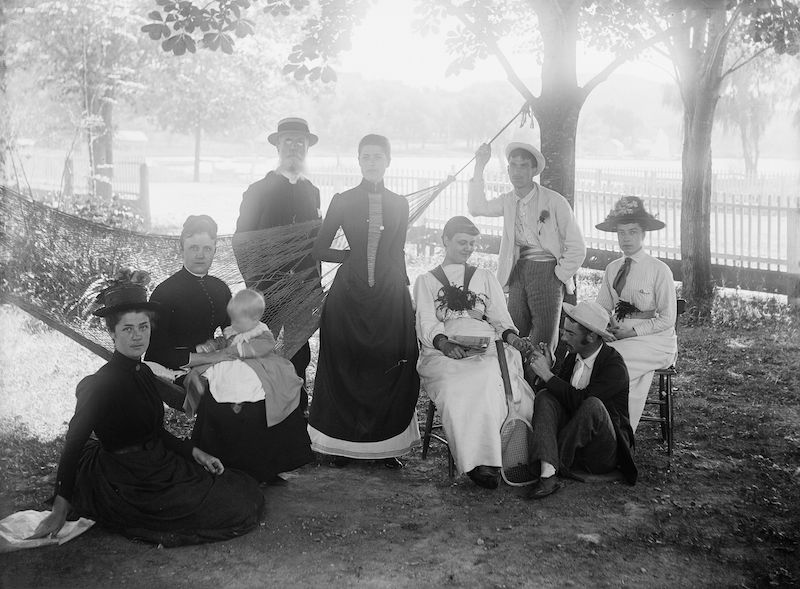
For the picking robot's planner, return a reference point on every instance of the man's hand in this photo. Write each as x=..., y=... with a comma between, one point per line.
x=52, y=524
x=452, y=350
x=540, y=365
x=482, y=157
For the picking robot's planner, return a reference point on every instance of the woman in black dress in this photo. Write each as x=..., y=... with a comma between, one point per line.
x=193, y=306
x=139, y=479
x=366, y=386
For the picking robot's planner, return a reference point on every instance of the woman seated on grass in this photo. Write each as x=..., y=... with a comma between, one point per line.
x=139, y=479
x=453, y=301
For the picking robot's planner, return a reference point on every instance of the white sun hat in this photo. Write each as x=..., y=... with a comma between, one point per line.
x=589, y=314
x=525, y=138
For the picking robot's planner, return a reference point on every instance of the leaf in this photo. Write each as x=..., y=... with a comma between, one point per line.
x=328, y=75
x=155, y=15
x=169, y=43
x=153, y=30
x=289, y=68
x=226, y=43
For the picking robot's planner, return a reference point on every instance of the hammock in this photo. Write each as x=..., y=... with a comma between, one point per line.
x=51, y=263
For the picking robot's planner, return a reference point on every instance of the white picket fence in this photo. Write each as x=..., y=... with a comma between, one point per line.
x=749, y=217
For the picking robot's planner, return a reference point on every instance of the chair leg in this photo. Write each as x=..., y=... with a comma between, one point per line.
x=669, y=416
x=451, y=464
x=426, y=434
x=663, y=385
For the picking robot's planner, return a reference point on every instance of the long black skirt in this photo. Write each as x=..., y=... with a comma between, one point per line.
x=238, y=435
x=158, y=496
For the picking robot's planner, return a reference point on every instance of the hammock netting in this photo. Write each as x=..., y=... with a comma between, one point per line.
x=53, y=264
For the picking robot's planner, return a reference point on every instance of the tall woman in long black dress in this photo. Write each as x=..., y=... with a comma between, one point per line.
x=366, y=385
x=140, y=480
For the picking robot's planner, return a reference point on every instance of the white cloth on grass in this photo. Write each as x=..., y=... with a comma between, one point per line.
x=18, y=526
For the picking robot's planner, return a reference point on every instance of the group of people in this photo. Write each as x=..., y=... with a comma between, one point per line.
x=378, y=347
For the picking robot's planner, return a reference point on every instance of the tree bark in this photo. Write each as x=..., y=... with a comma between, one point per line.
x=101, y=146
x=198, y=136
x=701, y=80
x=4, y=114
x=558, y=107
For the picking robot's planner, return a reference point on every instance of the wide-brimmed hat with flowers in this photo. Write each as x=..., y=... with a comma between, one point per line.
x=630, y=209
x=126, y=291
x=591, y=315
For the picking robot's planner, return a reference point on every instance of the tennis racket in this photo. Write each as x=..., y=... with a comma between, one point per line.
x=515, y=433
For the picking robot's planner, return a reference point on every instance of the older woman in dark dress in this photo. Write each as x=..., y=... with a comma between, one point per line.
x=139, y=479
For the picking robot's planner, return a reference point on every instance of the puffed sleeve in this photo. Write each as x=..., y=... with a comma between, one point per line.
x=330, y=225
x=87, y=408
x=428, y=325
x=162, y=347
x=496, y=308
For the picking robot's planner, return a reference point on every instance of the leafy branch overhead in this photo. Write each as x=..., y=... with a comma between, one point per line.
x=184, y=25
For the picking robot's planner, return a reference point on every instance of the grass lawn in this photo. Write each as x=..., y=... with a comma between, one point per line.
x=724, y=512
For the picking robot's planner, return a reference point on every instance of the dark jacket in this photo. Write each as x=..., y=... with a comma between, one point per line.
x=609, y=382
x=273, y=201
x=191, y=310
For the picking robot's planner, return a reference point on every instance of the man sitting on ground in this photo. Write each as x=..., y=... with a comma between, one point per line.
x=580, y=418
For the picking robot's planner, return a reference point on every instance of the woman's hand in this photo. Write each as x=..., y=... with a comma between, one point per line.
x=211, y=463
x=52, y=524
x=452, y=350
x=522, y=344
x=622, y=332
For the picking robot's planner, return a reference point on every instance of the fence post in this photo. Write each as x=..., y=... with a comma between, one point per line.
x=68, y=177
x=793, y=256
x=144, y=194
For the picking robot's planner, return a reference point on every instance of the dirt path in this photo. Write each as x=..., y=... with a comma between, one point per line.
x=367, y=526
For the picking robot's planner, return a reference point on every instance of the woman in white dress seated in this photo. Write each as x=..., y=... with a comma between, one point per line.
x=639, y=294
x=460, y=307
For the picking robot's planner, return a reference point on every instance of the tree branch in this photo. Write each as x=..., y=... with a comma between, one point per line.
x=602, y=76
x=741, y=64
x=494, y=48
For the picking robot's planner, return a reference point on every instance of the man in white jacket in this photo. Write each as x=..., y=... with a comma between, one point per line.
x=542, y=246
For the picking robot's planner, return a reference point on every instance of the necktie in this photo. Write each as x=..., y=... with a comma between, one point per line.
x=622, y=276
x=575, y=381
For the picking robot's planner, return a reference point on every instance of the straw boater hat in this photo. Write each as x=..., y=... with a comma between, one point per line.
x=125, y=292
x=629, y=209
x=589, y=314
x=293, y=125
x=524, y=138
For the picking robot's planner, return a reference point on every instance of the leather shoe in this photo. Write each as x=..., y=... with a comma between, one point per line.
x=544, y=487
x=393, y=463
x=487, y=477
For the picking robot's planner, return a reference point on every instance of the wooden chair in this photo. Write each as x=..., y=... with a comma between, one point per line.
x=428, y=433
x=664, y=399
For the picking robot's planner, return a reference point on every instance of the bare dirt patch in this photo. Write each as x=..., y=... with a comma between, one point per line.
x=724, y=513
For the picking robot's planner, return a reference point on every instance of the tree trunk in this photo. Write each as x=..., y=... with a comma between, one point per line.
x=558, y=117
x=561, y=99
x=102, y=146
x=198, y=136
x=701, y=80
x=4, y=113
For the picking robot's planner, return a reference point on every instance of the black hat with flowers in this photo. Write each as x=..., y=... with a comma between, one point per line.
x=630, y=209
x=125, y=292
